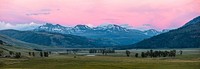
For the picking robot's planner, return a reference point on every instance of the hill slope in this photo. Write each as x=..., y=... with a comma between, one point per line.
x=9, y=44
x=187, y=36
x=17, y=43
x=49, y=39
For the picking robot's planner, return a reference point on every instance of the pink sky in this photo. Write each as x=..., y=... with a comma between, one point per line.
x=158, y=14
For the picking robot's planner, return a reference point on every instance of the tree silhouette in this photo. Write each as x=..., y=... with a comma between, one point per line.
x=46, y=54
x=136, y=55
x=181, y=52
x=151, y=53
x=29, y=53
x=33, y=53
x=41, y=54
x=17, y=55
x=11, y=52
x=128, y=53
x=142, y=55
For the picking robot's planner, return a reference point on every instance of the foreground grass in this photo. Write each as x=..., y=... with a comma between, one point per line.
x=103, y=62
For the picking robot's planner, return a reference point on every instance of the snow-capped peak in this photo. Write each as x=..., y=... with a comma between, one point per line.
x=51, y=25
x=110, y=27
x=165, y=30
x=126, y=26
x=151, y=32
x=82, y=27
x=53, y=28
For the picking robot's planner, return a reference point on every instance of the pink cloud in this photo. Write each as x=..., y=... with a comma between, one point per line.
x=160, y=14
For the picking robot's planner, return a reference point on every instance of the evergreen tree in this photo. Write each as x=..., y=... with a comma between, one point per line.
x=11, y=52
x=46, y=54
x=29, y=53
x=142, y=55
x=41, y=54
x=128, y=53
x=33, y=53
x=181, y=52
x=17, y=55
x=136, y=55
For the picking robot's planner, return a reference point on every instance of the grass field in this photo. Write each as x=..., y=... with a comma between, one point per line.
x=189, y=60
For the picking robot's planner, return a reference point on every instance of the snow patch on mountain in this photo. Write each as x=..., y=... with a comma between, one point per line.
x=109, y=28
x=151, y=32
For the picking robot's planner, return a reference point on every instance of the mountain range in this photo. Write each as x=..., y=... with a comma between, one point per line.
x=108, y=28
x=80, y=35
x=116, y=34
x=110, y=35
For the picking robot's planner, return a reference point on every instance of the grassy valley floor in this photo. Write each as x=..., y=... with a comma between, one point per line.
x=185, y=61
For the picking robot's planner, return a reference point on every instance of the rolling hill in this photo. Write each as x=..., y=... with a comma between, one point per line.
x=7, y=41
x=187, y=36
x=9, y=44
x=50, y=39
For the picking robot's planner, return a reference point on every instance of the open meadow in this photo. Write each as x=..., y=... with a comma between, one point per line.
x=189, y=60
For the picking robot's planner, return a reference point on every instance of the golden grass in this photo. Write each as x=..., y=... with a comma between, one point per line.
x=103, y=62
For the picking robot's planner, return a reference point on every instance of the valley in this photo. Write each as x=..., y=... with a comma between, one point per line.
x=118, y=60
x=99, y=34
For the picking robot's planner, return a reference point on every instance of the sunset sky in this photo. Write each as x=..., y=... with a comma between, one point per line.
x=157, y=14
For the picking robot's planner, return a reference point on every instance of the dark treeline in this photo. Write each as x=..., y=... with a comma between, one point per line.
x=18, y=55
x=103, y=51
x=11, y=54
x=41, y=54
x=151, y=53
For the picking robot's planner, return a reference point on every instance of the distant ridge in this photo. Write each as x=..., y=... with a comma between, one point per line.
x=194, y=21
x=17, y=43
x=113, y=33
x=187, y=36
x=49, y=39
